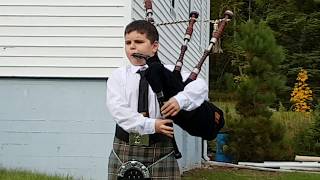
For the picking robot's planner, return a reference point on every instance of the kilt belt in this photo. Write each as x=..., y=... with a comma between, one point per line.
x=150, y=138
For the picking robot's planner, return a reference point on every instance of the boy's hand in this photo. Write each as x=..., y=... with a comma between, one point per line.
x=170, y=108
x=164, y=126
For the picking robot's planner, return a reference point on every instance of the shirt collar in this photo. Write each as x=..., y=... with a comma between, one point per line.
x=134, y=69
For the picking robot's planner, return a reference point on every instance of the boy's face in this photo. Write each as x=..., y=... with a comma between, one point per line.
x=136, y=42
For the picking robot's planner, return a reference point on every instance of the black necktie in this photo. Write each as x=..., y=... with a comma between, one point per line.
x=143, y=93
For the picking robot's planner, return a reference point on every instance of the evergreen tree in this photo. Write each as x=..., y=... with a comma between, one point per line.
x=255, y=136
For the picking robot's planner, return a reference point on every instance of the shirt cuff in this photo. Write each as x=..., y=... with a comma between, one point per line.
x=182, y=100
x=149, y=126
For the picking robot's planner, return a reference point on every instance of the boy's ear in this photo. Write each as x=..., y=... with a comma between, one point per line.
x=155, y=46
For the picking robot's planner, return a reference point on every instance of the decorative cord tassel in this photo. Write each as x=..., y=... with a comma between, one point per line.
x=217, y=47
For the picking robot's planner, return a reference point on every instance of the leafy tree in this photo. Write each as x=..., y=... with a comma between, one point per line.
x=301, y=95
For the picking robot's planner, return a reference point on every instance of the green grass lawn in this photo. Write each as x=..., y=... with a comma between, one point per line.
x=220, y=173
x=27, y=175
x=214, y=173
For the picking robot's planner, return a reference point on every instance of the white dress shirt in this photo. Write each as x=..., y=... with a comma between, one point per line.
x=122, y=99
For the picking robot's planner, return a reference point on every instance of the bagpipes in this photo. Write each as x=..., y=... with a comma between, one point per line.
x=204, y=121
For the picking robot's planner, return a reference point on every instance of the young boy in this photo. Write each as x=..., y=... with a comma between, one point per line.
x=156, y=153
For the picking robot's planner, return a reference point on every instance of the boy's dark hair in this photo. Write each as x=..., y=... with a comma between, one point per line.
x=143, y=27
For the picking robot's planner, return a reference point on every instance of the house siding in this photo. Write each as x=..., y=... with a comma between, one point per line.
x=56, y=38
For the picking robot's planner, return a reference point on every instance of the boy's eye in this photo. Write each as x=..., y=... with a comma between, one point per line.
x=139, y=41
x=128, y=42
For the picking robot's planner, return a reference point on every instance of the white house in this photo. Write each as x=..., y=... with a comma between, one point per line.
x=55, y=58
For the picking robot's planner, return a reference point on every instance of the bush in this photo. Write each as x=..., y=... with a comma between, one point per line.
x=257, y=139
x=307, y=142
x=293, y=123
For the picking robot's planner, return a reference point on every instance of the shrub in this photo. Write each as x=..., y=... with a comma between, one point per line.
x=307, y=142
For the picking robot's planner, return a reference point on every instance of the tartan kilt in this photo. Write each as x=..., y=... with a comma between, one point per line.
x=165, y=169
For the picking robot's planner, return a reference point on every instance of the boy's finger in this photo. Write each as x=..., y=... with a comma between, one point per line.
x=171, y=112
x=167, y=109
x=167, y=128
x=168, y=105
x=165, y=105
x=167, y=121
x=174, y=113
x=168, y=134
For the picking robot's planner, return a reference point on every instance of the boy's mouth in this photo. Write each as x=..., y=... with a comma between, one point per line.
x=140, y=56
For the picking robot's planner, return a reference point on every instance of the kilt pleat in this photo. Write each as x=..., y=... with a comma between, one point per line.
x=165, y=169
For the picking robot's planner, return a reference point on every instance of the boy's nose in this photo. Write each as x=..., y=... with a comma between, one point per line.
x=132, y=46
